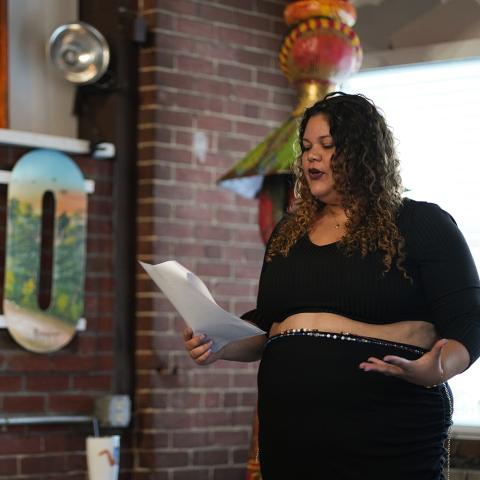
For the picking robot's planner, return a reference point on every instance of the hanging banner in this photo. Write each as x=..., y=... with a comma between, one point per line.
x=38, y=176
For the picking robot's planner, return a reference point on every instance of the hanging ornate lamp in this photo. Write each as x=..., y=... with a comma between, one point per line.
x=317, y=54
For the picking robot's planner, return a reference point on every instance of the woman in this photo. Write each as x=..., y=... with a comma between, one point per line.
x=371, y=303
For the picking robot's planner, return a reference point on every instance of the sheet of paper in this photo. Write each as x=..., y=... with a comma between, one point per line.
x=192, y=299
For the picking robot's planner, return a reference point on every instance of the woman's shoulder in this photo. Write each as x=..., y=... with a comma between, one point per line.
x=426, y=226
x=418, y=213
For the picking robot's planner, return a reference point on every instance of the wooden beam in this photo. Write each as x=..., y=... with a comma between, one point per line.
x=3, y=65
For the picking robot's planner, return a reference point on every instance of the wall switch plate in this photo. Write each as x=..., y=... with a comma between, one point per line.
x=113, y=410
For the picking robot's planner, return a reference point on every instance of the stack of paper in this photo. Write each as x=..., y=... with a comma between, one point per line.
x=191, y=297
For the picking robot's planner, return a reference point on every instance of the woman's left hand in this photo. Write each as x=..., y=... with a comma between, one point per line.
x=426, y=370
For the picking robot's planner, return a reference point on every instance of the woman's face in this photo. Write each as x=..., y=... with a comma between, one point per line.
x=318, y=150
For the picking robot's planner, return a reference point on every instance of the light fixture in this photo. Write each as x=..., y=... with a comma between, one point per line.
x=80, y=52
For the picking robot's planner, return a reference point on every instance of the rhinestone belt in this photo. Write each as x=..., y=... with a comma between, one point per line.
x=349, y=337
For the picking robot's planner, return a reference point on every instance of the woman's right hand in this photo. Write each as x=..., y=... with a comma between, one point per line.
x=199, y=347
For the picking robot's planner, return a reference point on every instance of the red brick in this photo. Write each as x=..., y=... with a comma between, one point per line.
x=232, y=143
x=249, y=399
x=272, y=8
x=256, y=59
x=156, y=57
x=248, y=271
x=64, y=442
x=178, y=6
x=212, y=232
x=39, y=464
x=212, y=419
x=247, y=5
x=146, y=134
x=191, y=439
x=212, y=400
x=275, y=114
x=161, y=20
x=195, y=65
x=234, y=72
x=151, y=440
x=244, y=380
x=233, y=473
x=93, y=382
x=213, y=270
x=8, y=466
x=217, y=124
x=47, y=383
x=169, y=342
x=236, y=36
x=231, y=437
x=192, y=474
x=160, y=153
x=20, y=445
x=241, y=455
x=168, y=420
x=200, y=102
x=193, y=175
x=10, y=383
x=210, y=457
x=242, y=417
x=175, y=230
x=163, y=116
x=74, y=403
x=196, y=28
x=232, y=288
x=24, y=404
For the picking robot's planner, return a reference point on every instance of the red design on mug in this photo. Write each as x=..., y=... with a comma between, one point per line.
x=110, y=458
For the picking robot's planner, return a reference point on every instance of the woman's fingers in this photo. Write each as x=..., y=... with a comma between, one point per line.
x=374, y=364
x=195, y=341
x=398, y=361
x=187, y=333
x=204, y=357
x=199, y=351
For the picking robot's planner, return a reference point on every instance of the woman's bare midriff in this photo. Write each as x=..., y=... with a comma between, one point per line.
x=413, y=332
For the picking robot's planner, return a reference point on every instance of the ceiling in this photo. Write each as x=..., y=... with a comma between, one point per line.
x=384, y=24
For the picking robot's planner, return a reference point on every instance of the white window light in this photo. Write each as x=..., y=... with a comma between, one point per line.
x=433, y=109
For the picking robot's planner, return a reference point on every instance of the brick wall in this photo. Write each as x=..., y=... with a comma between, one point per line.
x=211, y=69
x=65, y=382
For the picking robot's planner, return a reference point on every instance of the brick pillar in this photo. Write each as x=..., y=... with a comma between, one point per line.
x=210, y=73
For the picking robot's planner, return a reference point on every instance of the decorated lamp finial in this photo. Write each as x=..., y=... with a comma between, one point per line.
x=321, y=50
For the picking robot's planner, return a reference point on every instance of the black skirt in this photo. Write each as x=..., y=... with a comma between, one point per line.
x=321, y=417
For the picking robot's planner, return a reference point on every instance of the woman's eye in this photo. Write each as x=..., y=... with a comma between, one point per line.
x=305, y=148
x=328, y=146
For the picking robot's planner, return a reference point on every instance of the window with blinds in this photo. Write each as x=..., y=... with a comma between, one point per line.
x=434, y=112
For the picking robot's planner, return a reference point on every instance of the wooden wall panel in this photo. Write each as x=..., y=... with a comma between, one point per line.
x=3, y=65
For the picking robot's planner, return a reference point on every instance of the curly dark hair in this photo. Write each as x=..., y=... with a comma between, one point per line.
x=365, y=169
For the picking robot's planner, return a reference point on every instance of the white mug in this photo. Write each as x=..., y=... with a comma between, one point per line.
x=103, y=455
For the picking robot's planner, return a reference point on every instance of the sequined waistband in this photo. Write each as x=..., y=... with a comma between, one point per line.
x=344, y=336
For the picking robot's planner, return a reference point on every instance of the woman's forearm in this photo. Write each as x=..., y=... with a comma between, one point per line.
x=455, y=359
x=245, y=350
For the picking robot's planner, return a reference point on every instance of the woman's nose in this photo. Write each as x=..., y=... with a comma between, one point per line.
x=314, y=157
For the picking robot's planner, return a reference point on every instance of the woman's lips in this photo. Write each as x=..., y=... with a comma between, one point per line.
x=315, y=174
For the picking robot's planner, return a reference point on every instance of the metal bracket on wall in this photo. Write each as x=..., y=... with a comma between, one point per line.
x=81, y=324
x=5, y=178
x=6, y=421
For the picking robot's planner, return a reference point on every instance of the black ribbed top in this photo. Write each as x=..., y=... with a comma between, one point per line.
x=445, y=290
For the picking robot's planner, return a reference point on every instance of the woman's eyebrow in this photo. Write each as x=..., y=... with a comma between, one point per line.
x=321, y=137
